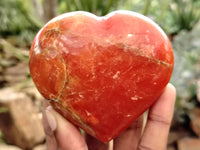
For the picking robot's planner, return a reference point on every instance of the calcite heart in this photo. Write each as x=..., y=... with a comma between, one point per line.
x=101, y=73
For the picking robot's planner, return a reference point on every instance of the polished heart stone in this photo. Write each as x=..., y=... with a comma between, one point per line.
x=101, y=73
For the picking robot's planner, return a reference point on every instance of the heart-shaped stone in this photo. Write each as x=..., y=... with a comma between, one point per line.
x=101, y=73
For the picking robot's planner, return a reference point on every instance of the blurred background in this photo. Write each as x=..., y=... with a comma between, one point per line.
x=20, y=102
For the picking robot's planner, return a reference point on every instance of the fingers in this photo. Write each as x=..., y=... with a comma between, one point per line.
x=61, y=134
x=159, y=119
x=129, y=139
x=94, y=144
x=50, y=138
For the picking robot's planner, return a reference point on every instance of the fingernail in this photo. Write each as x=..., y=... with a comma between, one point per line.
x=50, y=118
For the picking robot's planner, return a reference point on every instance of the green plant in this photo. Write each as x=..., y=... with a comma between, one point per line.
x=97, y=7
x=17, y=19
x=185, y=14
x=186, y=70
x=172, y=15
x=2, y=140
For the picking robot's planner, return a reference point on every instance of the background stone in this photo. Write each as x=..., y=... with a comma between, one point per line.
x=20, y=121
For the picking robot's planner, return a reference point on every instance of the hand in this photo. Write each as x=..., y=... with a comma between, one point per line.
x=62, y=135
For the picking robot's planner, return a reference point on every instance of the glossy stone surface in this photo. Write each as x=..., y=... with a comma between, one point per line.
x=101, y=73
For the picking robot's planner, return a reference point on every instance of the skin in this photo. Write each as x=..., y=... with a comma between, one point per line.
x=62, y=135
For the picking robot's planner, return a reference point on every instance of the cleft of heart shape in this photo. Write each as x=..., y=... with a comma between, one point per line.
x=101, y=73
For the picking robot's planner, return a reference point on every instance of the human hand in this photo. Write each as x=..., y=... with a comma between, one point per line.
x=62, y=135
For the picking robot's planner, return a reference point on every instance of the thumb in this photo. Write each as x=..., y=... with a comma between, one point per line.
x=67, y=136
